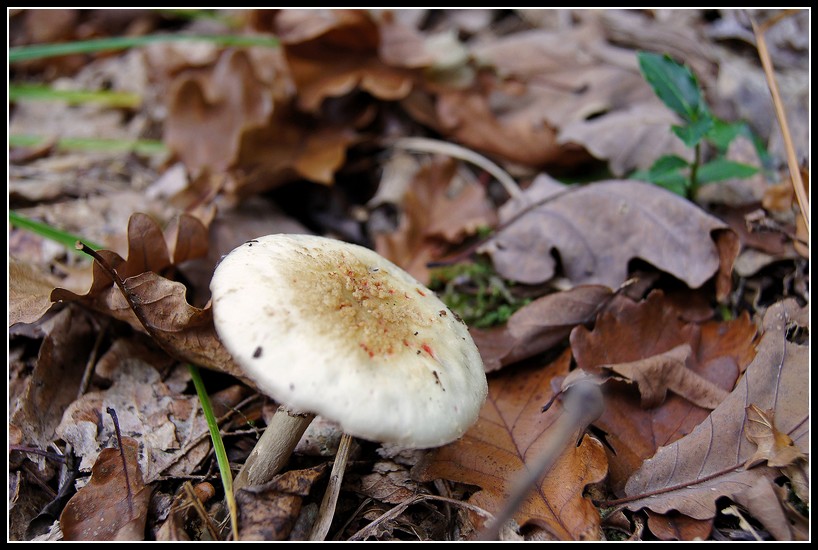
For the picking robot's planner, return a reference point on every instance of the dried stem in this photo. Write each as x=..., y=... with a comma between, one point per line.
x=792, y=162
x=327, y=510
x=112, y=412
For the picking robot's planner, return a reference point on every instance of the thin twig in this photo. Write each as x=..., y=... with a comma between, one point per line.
x=427, y=145
x=112, y=412
x=327, y=510
x=397, y=510
x=769, y=72
x=197, y=505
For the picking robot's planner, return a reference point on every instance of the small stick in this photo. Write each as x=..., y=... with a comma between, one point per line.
x=327, y=510
x=112, y=412
x=792, y=162
x=427, y=145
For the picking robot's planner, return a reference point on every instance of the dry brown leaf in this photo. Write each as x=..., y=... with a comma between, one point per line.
x=627, y=331
x=55, y=381
x=630, y=138
x=538, y=326
x=332, y=52
x=149, y=410
x=675, y=526
x=288, y=147
x=658, y=374
x=153, y=303
x=574, y=90
x=691, y=473
x=774, y=447
x=389, y=482
x=114, y=504
x=761, y=500
x=269, y=511
x=512, y=431
x=598, y=228
x=496, y=122
x=29, y=292
x=433, y=217
x=209, y=111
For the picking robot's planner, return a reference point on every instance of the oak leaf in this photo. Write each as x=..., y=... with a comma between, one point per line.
x=628, y=331
x=29, y=292
x=597, y=229
x=690, y=474
x=153, y=303
x=510, y=434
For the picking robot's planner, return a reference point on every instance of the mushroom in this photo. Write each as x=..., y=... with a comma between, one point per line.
x=334, y=329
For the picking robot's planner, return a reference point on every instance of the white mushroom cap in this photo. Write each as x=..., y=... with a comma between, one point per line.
x=334, y=329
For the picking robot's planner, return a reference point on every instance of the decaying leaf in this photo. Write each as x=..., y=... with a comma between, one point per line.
x=167, y=424
x=627, y=331
x=761, y=500
x=114, y=504
x=206, y=118
x=269, y=511
x=658, y=374
x=332, y=52
x=389, y=482
x=774, y=448
x=538, y=326
x=597, y=229
x=691, y=473
x=675, y=526
x=511, y=432
x=29, y=292
x=55, y=380
x=438, y=209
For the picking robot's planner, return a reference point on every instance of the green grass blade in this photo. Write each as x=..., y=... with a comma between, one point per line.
x=218, y=448
x=44, y=230
x=139, y=146
x=40, y=51
x=36, y=92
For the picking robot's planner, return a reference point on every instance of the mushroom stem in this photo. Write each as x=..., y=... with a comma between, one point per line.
x=273, y=449
x=327, y=510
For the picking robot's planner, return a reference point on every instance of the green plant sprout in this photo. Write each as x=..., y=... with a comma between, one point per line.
x=475, y=293
x=678, y=88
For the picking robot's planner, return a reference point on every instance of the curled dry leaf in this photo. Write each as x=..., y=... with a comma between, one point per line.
x=774, y=447
x=627, y=331
x=690, y=474
x=333, y=52
x=658, y=374
x=538, y=326
x=153, y=303
x=29, y=292
x=598, y=228
x=511, y=432
x=114, y=504
x=206, y=118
